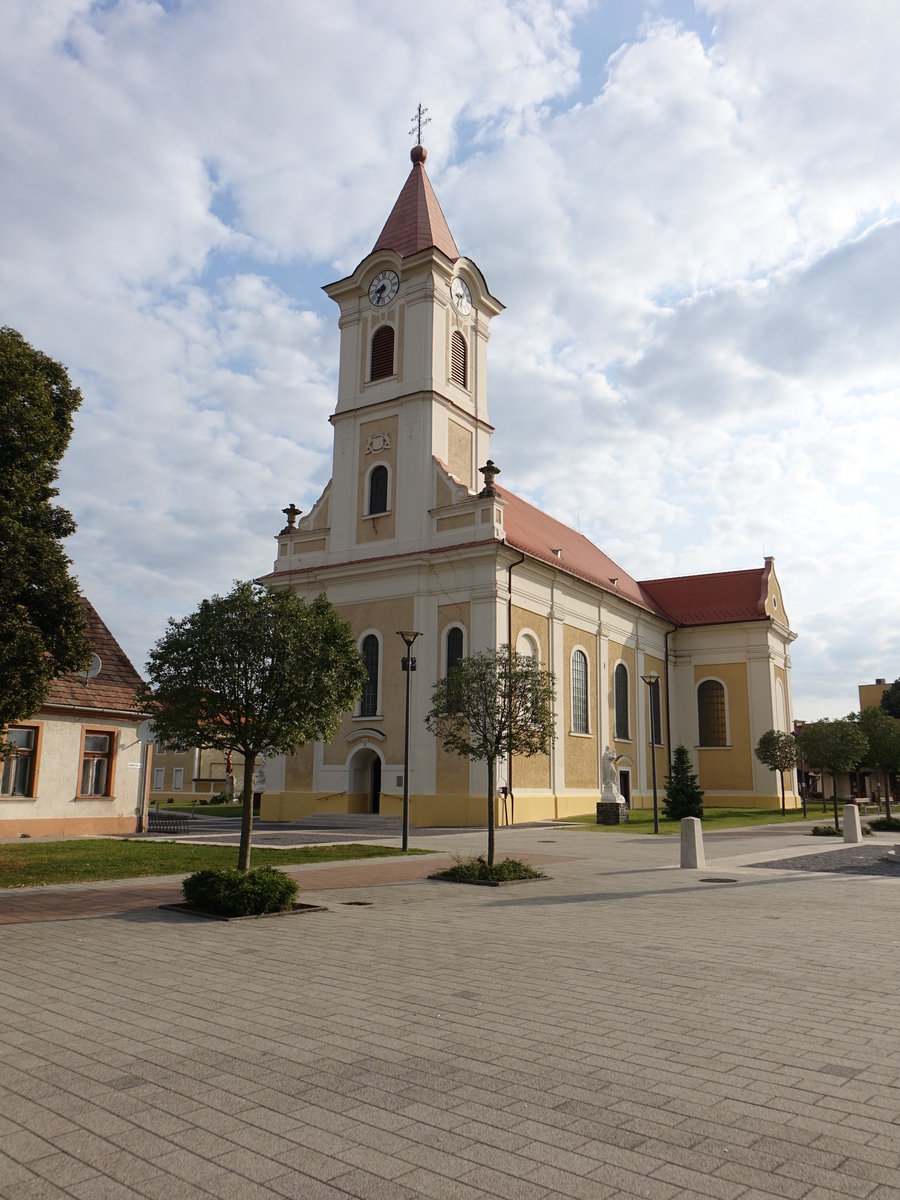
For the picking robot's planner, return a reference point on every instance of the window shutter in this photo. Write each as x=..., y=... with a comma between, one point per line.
x=382, y=353
x=458, y=359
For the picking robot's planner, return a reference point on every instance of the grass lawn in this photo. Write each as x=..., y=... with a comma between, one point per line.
x=641, y=819
x=85, y=859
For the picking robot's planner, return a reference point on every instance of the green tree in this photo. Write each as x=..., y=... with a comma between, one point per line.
x=42, y=622
x=890, y=699
x=833, y=745
x=257, y=671
x=777, y=751
x=684, y=797
x=883, y=735
x=491, y=705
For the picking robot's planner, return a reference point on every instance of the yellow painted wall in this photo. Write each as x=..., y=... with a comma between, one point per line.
x=730, y=768
x=531, y=772
x=581, y=765
x=376, y=528
x=452, y=770
x=870, y=694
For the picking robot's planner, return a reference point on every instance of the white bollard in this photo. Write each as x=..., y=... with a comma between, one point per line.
x=692, y=855
x=852, y=826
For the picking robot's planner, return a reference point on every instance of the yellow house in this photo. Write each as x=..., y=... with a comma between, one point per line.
x=198, y=774
x=406, y=536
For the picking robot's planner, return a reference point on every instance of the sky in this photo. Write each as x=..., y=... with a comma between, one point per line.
x=690, y=210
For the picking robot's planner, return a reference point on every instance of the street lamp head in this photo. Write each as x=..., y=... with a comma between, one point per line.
x=652, y=678
x=408, y=635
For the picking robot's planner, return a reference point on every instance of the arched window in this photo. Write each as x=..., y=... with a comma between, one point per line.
x=454, y=647
x=711, y=720
x=458, y=359
x=781, y=721
x=579, y=692
x=368, y=702
x=621, y=698
x=378, y=490
x=382, y=361
x=527, y=646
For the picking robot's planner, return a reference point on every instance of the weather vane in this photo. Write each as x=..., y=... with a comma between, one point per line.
x=419, y=120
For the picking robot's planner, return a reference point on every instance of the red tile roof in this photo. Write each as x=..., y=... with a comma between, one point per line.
x=541, y=536
x=113, y=689
x=713, y=599
x=416, y=221
x=687, y=600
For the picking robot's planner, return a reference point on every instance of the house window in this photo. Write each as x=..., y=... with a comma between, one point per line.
x=621, y=698
x=454, y=647
x=177, y=779
x=97, y=763
x=382, y=360
x=579, y=692
x=711, y=713
x=378, y=491
x=458, y=359
x=18, y=769
x=368, y=704
x=159, y=778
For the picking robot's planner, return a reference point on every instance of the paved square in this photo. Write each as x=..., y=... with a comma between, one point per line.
x=623, y=1029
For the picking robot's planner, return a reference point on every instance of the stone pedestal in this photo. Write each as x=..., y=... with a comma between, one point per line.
x=611, y=812
x=692, y=853
x=852, y=826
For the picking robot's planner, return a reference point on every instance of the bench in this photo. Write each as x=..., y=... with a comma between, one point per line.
x=164, y=822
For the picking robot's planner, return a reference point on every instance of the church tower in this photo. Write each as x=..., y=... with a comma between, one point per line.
x=414, y=322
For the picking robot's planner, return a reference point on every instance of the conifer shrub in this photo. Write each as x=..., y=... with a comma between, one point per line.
x=228, y=892
x=684, y=796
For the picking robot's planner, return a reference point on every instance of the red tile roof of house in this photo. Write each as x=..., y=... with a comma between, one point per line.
x=416, y=221
x=713, y=599
x=113, y=689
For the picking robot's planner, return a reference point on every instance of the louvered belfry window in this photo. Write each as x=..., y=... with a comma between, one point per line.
x=382, y=353
x=458, y=363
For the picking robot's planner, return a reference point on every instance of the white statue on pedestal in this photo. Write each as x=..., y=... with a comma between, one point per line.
x=610, y=793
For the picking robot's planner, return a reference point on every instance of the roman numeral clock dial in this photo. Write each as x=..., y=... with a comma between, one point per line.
x=383, y=288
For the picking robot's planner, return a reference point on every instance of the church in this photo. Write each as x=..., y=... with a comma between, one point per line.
x=415, y=532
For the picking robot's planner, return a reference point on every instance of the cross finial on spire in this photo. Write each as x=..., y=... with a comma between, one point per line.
x=419, y=121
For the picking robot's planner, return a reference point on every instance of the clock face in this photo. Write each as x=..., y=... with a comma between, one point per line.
x=383, y=288
x=461, y=296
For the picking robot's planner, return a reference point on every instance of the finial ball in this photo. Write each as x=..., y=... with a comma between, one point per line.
x=418, y=154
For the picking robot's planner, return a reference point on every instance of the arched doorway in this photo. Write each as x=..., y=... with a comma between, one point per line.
x=364, y=781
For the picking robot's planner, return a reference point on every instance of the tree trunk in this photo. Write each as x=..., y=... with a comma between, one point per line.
x=783, y=806
x=490, y=812
x=247, y=813
x=887, y=794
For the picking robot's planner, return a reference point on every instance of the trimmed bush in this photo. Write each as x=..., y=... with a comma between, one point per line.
x=885, y=824
x=476, y=870
x=232, y=893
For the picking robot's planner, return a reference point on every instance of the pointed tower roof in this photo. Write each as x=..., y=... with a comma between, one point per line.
x=416, y=221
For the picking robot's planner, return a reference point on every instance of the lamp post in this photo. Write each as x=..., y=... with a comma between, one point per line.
x=652, y=682
x=408, y=663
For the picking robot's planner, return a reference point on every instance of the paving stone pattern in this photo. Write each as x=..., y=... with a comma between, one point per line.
x=619, y=1030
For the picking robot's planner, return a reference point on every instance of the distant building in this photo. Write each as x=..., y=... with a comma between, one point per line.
x=406, y=536
x=78, y=766
x=200, y=775
x=870, y=693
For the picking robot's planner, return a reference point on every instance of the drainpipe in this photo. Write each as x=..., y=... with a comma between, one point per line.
x=509, y=761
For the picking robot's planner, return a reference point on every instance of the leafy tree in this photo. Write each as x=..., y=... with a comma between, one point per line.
x=684, y=797
x=491, y=705
x=257, y=671
x=883, y=735
x=42, y=622
x=834, y=745
x=777, y=751
x=890, y=699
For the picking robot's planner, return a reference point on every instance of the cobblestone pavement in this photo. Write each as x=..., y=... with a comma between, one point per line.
x=622, y=1029
x=854, y=860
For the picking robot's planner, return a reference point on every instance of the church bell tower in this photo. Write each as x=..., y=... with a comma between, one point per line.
x=414, y=322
